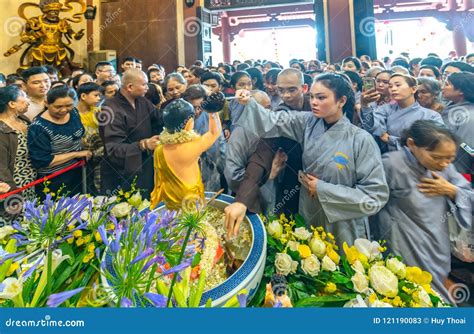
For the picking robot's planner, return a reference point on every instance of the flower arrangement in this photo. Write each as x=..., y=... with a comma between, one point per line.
x=304, y=265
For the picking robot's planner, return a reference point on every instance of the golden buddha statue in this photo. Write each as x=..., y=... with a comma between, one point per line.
x=178, y=180
x=49, y=36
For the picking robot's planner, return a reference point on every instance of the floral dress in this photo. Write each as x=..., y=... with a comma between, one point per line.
x=23, y=174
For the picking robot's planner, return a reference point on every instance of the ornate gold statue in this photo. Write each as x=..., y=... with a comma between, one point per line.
x=49, y=36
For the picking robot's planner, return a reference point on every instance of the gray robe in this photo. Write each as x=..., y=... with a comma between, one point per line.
x=389, y=118
x=459, y=118
x=415, y=225
x=346, y=161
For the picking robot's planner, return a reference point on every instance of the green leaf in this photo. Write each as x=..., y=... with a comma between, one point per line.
x=340, y=278
x=295, y=255
x=269, y=271
x=196, y=293
x=68, y=250
x=331, y=300
x=10, y=248
x=347, y=267
x=196, y=260
x=299, y=221
x=259, y=296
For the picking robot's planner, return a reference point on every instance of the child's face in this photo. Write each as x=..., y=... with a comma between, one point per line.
x=92, y=99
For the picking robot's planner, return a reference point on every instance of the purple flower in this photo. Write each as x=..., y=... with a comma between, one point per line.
x=2, y=286
x=143, y=256
x=177, y=268
x=103, y=235
x=9, y=256
x=32, y=269
x=242, y=298
x=156, y=299
x=58, y=298
x=125, y=302
x=156, y=259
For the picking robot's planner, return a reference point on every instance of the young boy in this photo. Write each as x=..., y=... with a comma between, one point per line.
x=90, y=97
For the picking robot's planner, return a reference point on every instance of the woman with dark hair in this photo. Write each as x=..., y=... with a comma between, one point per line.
x=428, y=94
x=458, y=115
x=351, y=64
x=298, y=65
x=15, y=165
x=55, y=142
x=429, y=71
x=342, y=171
x=425, y=189
x=239, y=80
x=271, y=86
x=194, y=75
x=257, y=78
x=389, y=120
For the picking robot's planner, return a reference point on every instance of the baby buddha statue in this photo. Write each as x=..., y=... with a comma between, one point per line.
x=176, y=158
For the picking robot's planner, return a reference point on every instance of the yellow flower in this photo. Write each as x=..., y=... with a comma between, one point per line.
x=330, y=287
x=304, y=251
x=70, y=240
x=71, y=227
x=353, y=254
x=91, y=248
x=97, y=236
x=87, y=238
x=111, y=227
x=330, y=236
x=418, y=276
x=13, y=267
x=79, y=242
x=372, y=298
x=397, y=302
x=77, y=234
x=88, y=257
x=331, y=253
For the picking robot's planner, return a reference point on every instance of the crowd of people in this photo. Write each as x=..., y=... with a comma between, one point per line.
x=365, y=148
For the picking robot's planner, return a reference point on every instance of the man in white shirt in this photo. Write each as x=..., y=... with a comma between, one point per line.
x=38, y=84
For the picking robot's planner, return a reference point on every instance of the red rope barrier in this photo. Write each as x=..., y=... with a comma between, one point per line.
x=45, y=178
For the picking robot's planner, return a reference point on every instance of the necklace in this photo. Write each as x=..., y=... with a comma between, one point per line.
x=180, y=137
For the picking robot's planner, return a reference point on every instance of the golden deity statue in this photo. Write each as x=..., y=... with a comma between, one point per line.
x=49, y=36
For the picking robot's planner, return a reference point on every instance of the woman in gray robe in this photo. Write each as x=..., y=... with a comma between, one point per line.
x=425, y=190
x=389, y=120
x=343, y=179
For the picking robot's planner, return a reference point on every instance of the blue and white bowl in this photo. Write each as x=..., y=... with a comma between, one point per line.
x=250, y=273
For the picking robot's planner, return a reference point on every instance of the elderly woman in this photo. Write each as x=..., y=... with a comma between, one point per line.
x=428, y=94
x=16, y=170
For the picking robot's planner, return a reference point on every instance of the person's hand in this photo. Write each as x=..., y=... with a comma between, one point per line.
x=152, y=142
x=278, y=164
x=84, y=154
x=226, y=134
x=437, y=186
x=4, y=187
x=243, y=96
x=368, y=97
x=310, y=182
x=234, y=215
x=385, y=137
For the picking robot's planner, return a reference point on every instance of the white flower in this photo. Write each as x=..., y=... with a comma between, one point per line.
x=302, y=233
x=358, y=267
x=378, y=303
x=356, y=302
x=85, y=215
x=368, y=248
x=135, y=199
x=100, y=200
x=422, y=298
x=383, y=281
x=58, y=258
x=6, y=231
x=293, y=245
x=275, y=229
x=311, y=265
x=12, y=287
x=360, y=282
x=318, y=247
x=121, y=210
x=397, y=267
x=328, y=264
x=284, y=264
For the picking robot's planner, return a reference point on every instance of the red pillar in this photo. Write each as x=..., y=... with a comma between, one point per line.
x=225, y=37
